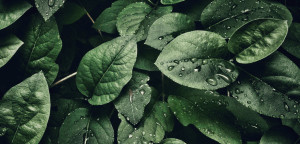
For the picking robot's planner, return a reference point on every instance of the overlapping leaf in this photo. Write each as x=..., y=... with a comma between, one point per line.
x=257, y=39
x=168, y=2
x=48, y=7
x=104, y=71
x=8, y=47
x=279, y=135
x=292, y=41
x=191, y=60
x=25, y=110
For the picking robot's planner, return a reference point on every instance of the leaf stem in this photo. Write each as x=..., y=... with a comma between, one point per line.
x=64, y=79
x=92, y=20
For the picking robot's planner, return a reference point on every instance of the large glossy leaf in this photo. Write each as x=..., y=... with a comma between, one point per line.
x=25, y=109
x=136, y=19
x=84, y=126
x=136, y=96
x=42, y=44
x=168, y=2
x=166, y=28
x=262, y=98
x=191, y=60
x=9, y=44
x=292, y=42
x=279, y=135
x=257, y=39
x=10, y=11
x=108, y=18
x=104, y=71
x=152, y=129
x=226, y=16
x=207, y=113
x=48, y=7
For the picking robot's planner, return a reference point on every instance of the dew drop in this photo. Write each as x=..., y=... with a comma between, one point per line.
x=160, y=38
x=212, y=82
x=237, y=91
x=180, y=75
x=176, y=61
x=226, y=78
x=130, y=136
x=204, y=62
x=282, y=116
x=194, y=60
x=248, y=102
x=82, y=117
x=170, y=68
x=286, y=107
x=233, y=7
x=142, y=92
x=51, y=3
x=228, y=27
x=183, y=68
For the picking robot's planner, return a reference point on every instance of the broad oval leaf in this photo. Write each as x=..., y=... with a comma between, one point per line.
x=166, y=28
x=42, y=44
x=48, y=7
x=8, y=47
x=257, y=39
x=85, y=126
x=292, y=41
x=279, y=135
x=262, y=98
x=207, y=113
x=136, y=19
x=107, y=20
x=190, y=60
x=25, y=110
x=226, y=16
x=11, y=11
x=168, y=2
x=104, y=71
x=137, y=95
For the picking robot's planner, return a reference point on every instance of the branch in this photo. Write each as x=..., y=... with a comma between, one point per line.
x=64, y=79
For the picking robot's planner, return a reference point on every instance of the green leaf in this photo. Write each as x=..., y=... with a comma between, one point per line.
x=226, y=16
x=190, y=60
x=70, y=13
x=172, y=141
x=85, y=126
x=10, y=11
x=146, y=58
x=107, y=20
x=152, y=129
x=9, y=45
x=164, y=29
x=292, y=41
x=111, y=68
x=168, y=2
x=25, y=109
x=262, y=98
x=42, y=44
x=292, y=123
x=207, y=113
x=137, y=95
x=136, y=19
x=48, y=7
x=279, y=135
x=257, y=39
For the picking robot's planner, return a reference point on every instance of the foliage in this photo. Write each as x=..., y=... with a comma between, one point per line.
x=149, y=71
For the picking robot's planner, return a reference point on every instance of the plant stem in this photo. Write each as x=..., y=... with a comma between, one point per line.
x=92, y=20
x=64, y=79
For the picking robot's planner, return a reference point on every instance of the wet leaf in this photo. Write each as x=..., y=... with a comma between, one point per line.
x=8, y=47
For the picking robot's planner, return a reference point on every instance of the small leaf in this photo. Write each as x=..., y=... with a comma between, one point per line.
x=84, y=126
x=166, y=28
x=226, y=16
x=136, y=18
x=172, y=141
x=111, y=68
x=190, y=61
x=262, y=98
x=207, y=113
x=48, y=7
x=279, y=135
x=12, y=11
x=8, y=47
x=107, y=19
x=137, y=95
x=168, y=2
x=257, y=39
x=25, y=110
x=292, y=41
x=42, y=44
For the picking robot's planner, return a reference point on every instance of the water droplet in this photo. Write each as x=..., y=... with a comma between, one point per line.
x=176, y=61
x=233, y=7
x=51, y=3
x=226, y=78
x=286, y=107
x=237, y=91
x=248, y=102
x=160, y=38
x=183, y=68
x=204, y=62
x=282, y=116
x=180, y=75
x=212, y=82
x=142, y=92
x=170, y=68
x=194, y=60
x=228, y=27
x=82, y=117
x=130, y=136
x=261, y=100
